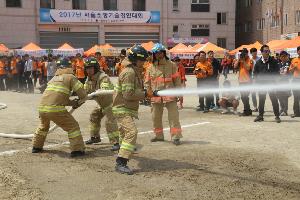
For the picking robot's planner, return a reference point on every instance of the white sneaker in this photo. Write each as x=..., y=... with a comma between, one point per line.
x=235, y=112
x=225, y=111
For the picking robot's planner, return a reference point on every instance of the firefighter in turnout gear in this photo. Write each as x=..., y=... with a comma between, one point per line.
x=128, y=92
x=52, y=108
x=97, y=79
x=163, y=75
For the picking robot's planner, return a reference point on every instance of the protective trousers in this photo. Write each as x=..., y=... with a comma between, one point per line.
x=110, y=124
x=64, y=120
x=128, y=136
x=173, y=117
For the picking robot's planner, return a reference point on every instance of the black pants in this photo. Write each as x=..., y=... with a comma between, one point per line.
x=296, y=94
x=215, y=84
x=28, y=81
x=21, y=82
x=283, y=98
x=204, y=100
x=254, y=100
x=2, y=80
x=262, y=99
x=245, y=99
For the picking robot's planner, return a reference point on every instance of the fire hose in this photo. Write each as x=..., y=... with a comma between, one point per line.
x=2, y=106
x=71, y=110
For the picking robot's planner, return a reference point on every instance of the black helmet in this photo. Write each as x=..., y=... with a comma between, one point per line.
x=91, y=62
x=137, y=53
x=64, y=63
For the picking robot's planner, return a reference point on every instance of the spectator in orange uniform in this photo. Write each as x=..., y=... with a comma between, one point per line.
x=245, y=66
x=119, y=66
x=181, y=70
x=102, y=62
x=2, y=73
x=203, y=72
x=79, y=68
x=295, y=70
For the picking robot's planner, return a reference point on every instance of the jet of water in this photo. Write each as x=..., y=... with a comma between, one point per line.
x=233, y=89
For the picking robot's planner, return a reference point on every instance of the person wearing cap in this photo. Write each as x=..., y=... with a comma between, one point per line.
x=284, y=78
x=98, y=80
x=163, y=75
x=245, y=65
x=129, y=91
x=52, y=108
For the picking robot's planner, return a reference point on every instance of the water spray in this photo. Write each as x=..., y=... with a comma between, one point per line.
x=234, y=89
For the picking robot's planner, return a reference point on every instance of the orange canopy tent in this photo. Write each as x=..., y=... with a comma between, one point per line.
x=105, y=50
x=219, y=51
x=3, y=48
x=179, y=48
x=285, y=44
x=65, y=46
x=256, y=45
x=31, y=47
x=148, y=45
x=197, y=46
x=67, y=50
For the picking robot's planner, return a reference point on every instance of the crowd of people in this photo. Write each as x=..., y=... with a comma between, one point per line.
x=141, y=75
x=252, y=70
x=21, y=74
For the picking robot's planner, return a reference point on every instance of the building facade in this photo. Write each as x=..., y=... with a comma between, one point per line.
x=266, y=20
x=187, y=21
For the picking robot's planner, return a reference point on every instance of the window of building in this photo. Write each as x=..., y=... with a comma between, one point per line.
x=79, y=4
x=175, y=5
x=110, y=4
x=275, y=21
x=221, y=18
x=175, y=31
x=200, y=6
x=13, y=3
x=298, y=17
x=248, y=3
x=285, y=19
x=260, y=24
x=248, y=27
x=47, y=4
x=200, y=30
x=221, y=42
x=138, y=5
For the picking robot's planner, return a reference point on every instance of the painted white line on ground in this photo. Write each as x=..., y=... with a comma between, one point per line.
x=12, y=152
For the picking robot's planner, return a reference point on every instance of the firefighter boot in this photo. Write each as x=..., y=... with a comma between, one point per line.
x=158, y=138
x=77, y=154
x=121, y=166
x=93, y=140
x=36, y=150
x=176, y=142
